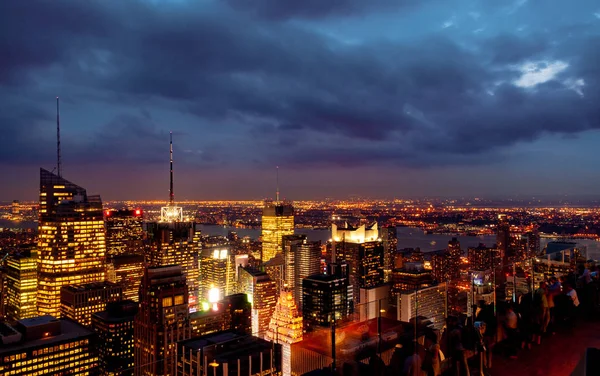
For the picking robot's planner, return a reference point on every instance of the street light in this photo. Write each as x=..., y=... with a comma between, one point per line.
x=214, y=365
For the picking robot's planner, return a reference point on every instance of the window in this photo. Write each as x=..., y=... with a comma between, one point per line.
x=167, y=302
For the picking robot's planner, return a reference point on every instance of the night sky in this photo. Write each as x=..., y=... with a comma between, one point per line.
x=379, y=98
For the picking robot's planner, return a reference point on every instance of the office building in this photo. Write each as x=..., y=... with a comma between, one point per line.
x=362, y=249
x=212, y=318
x=302, y=259
x=227, y=353
x=44, y=345
x=327, y=297
x=114, y=328
x=262, y=295
x=277, y=221
x=484, y=258
x=71, y=242
x=429, y=302
x=79, y=302
x=389, y=238
x=503, y=237
x=163, y=319
x=127, y=271
x=124, y=232
x=286, y=328
x=176, y=243
x=217, y=270
x=445, y=264
x=413, y=276
x=240, y=313
x=20, y=278
x=275, y=269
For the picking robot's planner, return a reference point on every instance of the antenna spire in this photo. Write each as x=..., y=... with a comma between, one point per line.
x=58, y=161
x=171, y=194
x=277, y=181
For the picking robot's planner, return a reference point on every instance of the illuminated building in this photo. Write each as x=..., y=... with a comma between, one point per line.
x=503, y=237
x=214, y=318
x=124, y=231
x=79, y=302
x=217, y=270
x=15, y=207
x=429, y=302
x=262, y=294
x=411, y=277
x=114, y=328
x=363, y=251
x=274, y=268
x=327, y=297
x=227, y=353
x=171, y=212
x=44, y=345
x=484, y=258
x=285, y=328
x=176, y=243
x=240, y=313
x=277, y=221
x=21, y=285
x=162, y=320
x=71, y=244
x=302, y=259
x=389, y=239
x=126, y=271
x=445, y=264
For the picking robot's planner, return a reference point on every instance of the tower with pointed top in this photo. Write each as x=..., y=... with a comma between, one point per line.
x=171, y=212
x=277, y=221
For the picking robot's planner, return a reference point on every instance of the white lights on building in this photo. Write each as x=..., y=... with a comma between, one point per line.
x=171, y=214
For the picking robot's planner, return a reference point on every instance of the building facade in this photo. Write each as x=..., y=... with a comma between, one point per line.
x=124, y=232
x=262, y=294
x=302, y=259
x=21, y=285
x=429, y=302
x=286, y=328
x=71, y=242
x=127, y=271
x=277, y=221
x=79, y=302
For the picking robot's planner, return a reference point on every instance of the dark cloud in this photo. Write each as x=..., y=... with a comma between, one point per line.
x=425, y=102
x=315, y=9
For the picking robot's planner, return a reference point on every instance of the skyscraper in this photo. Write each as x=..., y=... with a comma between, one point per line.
x=71, y=244
x=286, y=328
x=124, y=232
x=277, y=221
x=79, y=302
x=302, y=259
x=114, y=328
x=21, y=285
x=127, y=271
x=162, y=320
x=217, y=270
x=389, y=238
x=503, y=236
x=262, y=294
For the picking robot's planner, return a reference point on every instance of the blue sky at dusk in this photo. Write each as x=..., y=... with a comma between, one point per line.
x=380, y=98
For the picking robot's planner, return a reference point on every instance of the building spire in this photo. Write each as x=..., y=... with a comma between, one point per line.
x=58, y=161
x=171, y=193
x=277, y=182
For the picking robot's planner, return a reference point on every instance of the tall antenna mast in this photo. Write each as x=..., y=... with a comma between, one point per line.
x=171, y=194
x=277, y=180
x=58, y=162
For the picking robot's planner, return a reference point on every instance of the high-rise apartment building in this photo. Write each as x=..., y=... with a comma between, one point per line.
x=80, y=302
x=127, y=271
x=327, y=297
x=429, y=302
x=445, y=264
x=389, y=238
x=413, y=276
x=71, y=243
x=217, y=270
x=124, y=231
x=286, y=328
x=44, y=345
x=277, y=221
x=114, y=328
x=163, y=319
x=21, y=285
x=503, y=236
x=483, y=258
x=176, y=243
x=363, y=251
x=262, y=294
x=302, y=259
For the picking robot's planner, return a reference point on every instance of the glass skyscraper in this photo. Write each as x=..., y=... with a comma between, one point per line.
x=71, y=244
x=277, y=221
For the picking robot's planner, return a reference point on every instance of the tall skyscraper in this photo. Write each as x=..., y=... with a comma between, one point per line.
x=286, y=328
x=277, y=221
x=445, y=265
x=428, y=302
x=176, y=243
x=503, y=236
x=114, y=328
x=127, y=271
x=44, y=345
x=21, y=285
x=483, y=258
x=302, y=259
x=80, y=302
x=262, y=294
x=217, y=270
x=389, y=238
x=162, y=320
x=71, y=245
x=327, y=297
x=124, y=232
x=363, y=251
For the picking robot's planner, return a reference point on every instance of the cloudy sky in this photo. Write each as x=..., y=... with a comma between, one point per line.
x=380, y=98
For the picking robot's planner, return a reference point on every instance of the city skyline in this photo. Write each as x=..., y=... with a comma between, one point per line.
x=379, y=99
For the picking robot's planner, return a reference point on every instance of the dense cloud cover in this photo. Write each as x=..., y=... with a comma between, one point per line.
x=312, y=84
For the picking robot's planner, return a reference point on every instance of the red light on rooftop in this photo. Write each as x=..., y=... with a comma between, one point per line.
x=138, y=212
x=107, y=213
